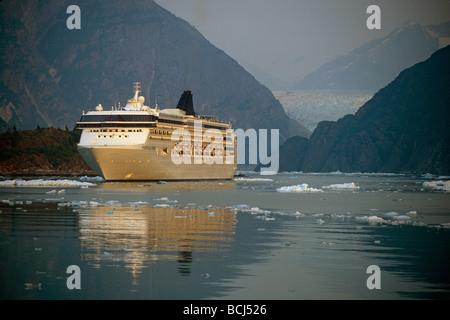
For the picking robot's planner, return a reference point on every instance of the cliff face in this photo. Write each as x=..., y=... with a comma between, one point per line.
x=403, y=128
x=50, y=74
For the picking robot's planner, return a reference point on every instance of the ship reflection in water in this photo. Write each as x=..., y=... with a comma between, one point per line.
x=141, y=233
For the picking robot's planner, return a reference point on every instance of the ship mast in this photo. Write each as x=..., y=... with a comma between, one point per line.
x=136, y=87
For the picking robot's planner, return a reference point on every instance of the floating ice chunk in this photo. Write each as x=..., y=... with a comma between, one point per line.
x=298, y=214
x=162, y=205
x=31, y=286
x=439, y=185
x=81, y=203
x=162, y=199
x=402, y=218
x=8, y=183
x=256, y=210
x=138, y=203
x=320, y=221
x=86, y=178
x=45, y=183
x=298, y=188
x=318, y=215
x=370, y=219
x=342, y=186
x=375, y=220
x=253, y=179
x=391, y=214
x=412, y=213
x=64, y=204
x=112, y=203
x=61, y=191
x=240, y=207
x=51, y=192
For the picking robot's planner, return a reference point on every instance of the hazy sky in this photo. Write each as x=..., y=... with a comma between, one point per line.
x=290, y=38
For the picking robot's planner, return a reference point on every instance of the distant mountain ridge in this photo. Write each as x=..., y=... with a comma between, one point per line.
x=402, y=129
x=377, y=62
x=50, y=74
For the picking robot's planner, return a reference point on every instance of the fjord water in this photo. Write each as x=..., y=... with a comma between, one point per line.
x=239, y=239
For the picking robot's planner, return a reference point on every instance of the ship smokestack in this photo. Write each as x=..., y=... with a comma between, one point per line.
x=186, y=103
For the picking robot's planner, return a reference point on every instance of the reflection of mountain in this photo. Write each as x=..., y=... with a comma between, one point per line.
x=140, y=233
x=378, y=62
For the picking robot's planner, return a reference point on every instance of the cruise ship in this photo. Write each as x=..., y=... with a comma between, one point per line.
x=137, y=142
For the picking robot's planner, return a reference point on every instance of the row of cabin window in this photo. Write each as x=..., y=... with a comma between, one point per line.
x=115, y=130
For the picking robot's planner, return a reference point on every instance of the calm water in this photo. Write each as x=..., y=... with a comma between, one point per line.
x=240, y=239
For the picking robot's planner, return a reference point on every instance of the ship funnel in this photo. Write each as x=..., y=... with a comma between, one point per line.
x=186, y=103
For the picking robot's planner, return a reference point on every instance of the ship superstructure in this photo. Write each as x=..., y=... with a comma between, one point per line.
x=138, y=142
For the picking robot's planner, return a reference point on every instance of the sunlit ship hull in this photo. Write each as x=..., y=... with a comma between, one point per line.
x=135, y=163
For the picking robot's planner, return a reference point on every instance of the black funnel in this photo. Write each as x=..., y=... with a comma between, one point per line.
x=186, y=103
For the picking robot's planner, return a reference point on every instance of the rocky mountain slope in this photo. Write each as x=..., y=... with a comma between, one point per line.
x=46, y=151
x=50, y=74
x=403, y=128
x=378, y=62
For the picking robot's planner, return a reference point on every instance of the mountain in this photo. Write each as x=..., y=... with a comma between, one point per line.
x=49, y=74
x=402, y=129
x=378, y=62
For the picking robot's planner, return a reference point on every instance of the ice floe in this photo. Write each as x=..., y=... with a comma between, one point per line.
x=304, y=187
x=298, y=188
x=87, y=178
x=438, y=185
x=45, y=183
x=253, y=179
x=342, y=186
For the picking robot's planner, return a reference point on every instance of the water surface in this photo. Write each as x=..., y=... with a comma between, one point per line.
x=239, y=239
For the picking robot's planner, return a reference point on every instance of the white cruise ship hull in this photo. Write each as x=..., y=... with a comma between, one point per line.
x=135, y=163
